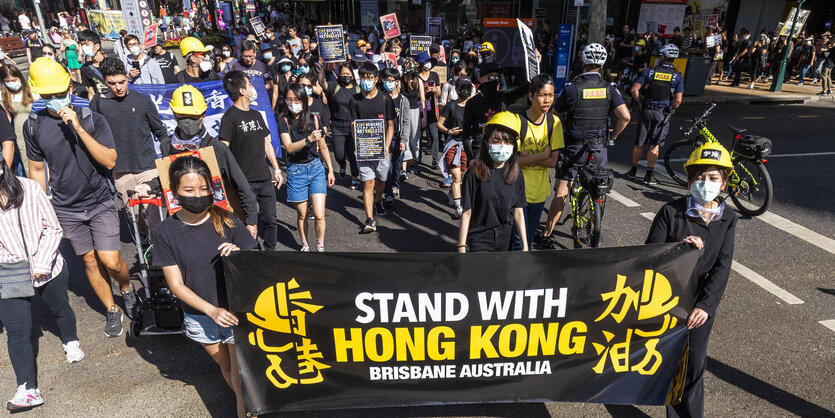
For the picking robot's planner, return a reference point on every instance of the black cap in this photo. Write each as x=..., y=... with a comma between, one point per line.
x=359, y=56
x=463, y=81
x=489, y=67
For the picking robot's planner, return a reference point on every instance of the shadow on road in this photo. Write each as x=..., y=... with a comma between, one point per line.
x=527, y=410
x=766, y=391
x=625, y=411
x=830, y=292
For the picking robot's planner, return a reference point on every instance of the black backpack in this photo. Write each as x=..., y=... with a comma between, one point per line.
x=85, y=115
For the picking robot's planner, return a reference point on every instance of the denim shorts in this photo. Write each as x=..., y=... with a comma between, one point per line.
x=305, y=180
x=204, y=330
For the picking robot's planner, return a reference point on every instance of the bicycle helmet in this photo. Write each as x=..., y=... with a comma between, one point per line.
x=669, y=51
x=594, y=54
x=710, y=153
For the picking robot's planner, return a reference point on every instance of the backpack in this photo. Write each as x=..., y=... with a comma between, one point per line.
x=549, y=125
x=336, y=89
x=85, y=115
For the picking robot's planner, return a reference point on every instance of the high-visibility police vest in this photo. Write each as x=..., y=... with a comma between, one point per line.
x=591, y=113
x=660, y=86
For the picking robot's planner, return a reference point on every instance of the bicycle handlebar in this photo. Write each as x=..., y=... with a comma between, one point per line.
x=699, y=120
x=153, y=199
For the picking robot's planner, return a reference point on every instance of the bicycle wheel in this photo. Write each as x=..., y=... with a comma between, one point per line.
x=754, y=193
x=587, y=221
x=674, y=159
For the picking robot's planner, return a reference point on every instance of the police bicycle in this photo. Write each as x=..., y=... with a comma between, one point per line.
x=749, y=184
x=587, y=197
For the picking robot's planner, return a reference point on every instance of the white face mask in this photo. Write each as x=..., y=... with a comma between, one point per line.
x=295, y=108
x=705, y=191
x=253, y=95
x=87, y=50
x=205, y=66
x=135, y=51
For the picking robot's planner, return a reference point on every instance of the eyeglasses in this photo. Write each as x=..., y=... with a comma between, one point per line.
x=55, y=95
x=306, y=85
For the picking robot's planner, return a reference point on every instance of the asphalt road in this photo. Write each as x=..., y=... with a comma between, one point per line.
x=767, y=357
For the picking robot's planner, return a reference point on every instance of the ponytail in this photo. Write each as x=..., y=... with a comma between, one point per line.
x=220, y=218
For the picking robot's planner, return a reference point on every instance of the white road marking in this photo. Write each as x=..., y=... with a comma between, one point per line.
x=807, y=154
x=648, y=215
x=765, y=284
x=623, y=199
x=829, y=323
x=806, y=234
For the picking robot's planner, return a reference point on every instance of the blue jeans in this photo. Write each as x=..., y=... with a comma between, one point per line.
x=305, y=180
x=533, y=212
x=396, y=168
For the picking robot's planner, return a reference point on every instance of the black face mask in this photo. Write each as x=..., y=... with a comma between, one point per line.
x=195, y=204
x=189, y=127
x=464, y=92
x=489, y=88
x=346, y=79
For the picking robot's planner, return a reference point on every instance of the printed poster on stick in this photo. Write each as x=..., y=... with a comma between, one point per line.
x=391, y=29
x=531, y=63
x=370, y=137
x=150, y=36
x=331, y=41
x=208, y=156
x=418, y=44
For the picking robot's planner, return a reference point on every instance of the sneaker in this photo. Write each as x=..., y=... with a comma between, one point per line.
x=320, y=248
x=305, y=249
x=389, y=200
x=413, y=169
x=310, y=216
x=380, y=208
x=395, y=192
x=404, y=176
x=73, y=351
x=130, y=302
x=24, y=399
x=355, y=184
x=369, y=226
x=650, y=178
x=451, y=201
x=447, y=182
x=751, y=87
x=458, y=212
x=632, y=173
x=800, y=83
x=113, y=324
x=341, y=173
x=823, y=93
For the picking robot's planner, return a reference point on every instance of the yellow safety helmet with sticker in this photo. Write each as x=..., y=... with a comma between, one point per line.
x=486, y=48
x=191, y=44
x=187, y=100
x=507, y=120
x=710, y=153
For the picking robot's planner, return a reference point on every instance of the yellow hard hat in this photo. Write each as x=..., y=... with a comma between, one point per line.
x=191, y=44
x=271, y=311
x=187, y=100
x=486, y=47
x=507, y=120
x=641, y=42
x=47, y=76
x=710, y=153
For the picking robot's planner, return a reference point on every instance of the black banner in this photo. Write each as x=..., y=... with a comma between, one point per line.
x=331, y=41
x=418, y=44
x=348, y=330
x=370, y=136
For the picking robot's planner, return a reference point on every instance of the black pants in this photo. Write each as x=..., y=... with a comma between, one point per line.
x=693, y=400
x=494, y=239
x=739, y=66
x=265, y=194
x=343, y=146
x=16, y=315
x=434, y=141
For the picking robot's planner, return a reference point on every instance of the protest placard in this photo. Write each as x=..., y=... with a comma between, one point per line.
x=418, y=44
x=391, y=29
x=391, y=60
x=150, y=38
x=531, y=62
x=257, y=26
x=370, y=137
x=208, y=156
x=435, y=26
x=331, y=43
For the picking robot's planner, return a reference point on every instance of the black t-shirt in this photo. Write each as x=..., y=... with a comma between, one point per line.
x=167, y=62
x=379, y=107
x=413, y=95
x=35, y=48
x=492, y=201
x=318, y=108
x=204, y=76
x=6, y=131
x=304, y=155
x=193, y=248
x=78, y=182
x=454, y=114
x=340, y=102
x=283, y=81
x=91, y=77
x=245, y=131
x=626, y=51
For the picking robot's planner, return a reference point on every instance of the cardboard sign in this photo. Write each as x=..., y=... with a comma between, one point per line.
x=208, y=156
x=441, y=70
x=370, y=137
x=391, y=29
x=150, y=36
x=531, y=62
x=418, y=44
x=258, y=26
x=391, y=60
x=331, y=43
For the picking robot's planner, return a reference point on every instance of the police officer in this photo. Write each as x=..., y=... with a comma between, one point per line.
x=663, y=88
x=586, y=103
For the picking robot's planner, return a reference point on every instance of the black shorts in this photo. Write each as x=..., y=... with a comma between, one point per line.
x=571, y=159
x=652, y=130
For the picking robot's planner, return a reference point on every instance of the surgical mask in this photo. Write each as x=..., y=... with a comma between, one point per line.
x=285, y=67
x=87, y=50
x=454, y=60
x=308, y=91
x=389, y=86
x=268, y=56
x=14, y=85
x=206, y=66
x=500, y=152
x=304, y=69
x=253, y=95
x=705, y=191
x=196, y=204
x=189, y=127
x=227, y=53
x=346, y=79
x=428, y=65
x=55, y=104
x=295, y=108
x=367, y=85
x=135, y=50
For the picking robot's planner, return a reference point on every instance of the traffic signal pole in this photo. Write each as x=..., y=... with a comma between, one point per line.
x=777, y=84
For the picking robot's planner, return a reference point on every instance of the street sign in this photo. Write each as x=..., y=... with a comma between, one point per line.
x=133, y=22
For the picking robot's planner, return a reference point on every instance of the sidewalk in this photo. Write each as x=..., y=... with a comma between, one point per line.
x=791, y=94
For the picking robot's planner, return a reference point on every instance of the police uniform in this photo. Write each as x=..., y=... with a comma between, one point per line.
x=660, y=84
x=587, y=102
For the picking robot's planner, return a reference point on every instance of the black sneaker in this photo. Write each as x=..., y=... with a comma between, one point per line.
x=395, y=192
x=113, y=325
x=341, y=173
x=389, y=199
x=310, y=215
x=130, y=302
x=380, y=208
x=369, y=226
x=650, y=178
x=632, y=173
x=355, y=184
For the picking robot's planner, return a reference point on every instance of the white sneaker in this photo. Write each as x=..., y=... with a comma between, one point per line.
x=73, y=350
x=24, y=399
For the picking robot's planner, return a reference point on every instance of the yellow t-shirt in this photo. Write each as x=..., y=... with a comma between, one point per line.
x=537, y=177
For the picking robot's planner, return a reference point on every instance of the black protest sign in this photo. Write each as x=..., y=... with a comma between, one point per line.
x=370, y=139
x=531, y=63
x=418, y=44
x=331, y=43
x=349, y=330
x=257, y=26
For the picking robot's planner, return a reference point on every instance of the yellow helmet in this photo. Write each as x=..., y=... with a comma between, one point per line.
x=507, y=120
x=191, y=44
x=711, y=153
x=641, y=42
x=486, y=47
x=187, y=100
x=47, y=76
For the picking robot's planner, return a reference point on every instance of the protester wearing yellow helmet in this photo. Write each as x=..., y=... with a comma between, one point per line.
x=79, y=182
x=199, y=64
x=702, y=220
x=494, y=190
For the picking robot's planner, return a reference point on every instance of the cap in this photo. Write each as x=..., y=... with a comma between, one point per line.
x=361, y=43
x=264, y=46
x=489, y=67
x=463, y=81
x=285, y=60
x=359, y=56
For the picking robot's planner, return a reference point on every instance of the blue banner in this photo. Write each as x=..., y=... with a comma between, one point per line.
x=217, y=101
x=563, y=57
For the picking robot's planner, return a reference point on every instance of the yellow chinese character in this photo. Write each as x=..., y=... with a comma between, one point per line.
x=308, y=353
x=630, y=298
x=618, y=352
x=652, y=353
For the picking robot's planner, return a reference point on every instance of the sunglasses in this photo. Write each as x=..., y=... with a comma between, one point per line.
x=55, y=95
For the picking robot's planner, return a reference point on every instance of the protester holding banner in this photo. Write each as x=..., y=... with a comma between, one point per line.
x=198, y=66
x=303, y=137
x=453, y=161
x=340, y=105
x=701, y=219
x=391, y=84
x=494, y=190
x=90, y=75
x=189, y=248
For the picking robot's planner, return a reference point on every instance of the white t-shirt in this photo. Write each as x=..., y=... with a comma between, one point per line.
x=25, y=23
x=4, y=24
x=62, y=22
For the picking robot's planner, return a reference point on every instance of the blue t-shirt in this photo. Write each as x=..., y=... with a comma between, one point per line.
x=677, y=82
x=568, y=99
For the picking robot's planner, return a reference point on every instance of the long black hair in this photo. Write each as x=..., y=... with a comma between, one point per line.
x=484, y=163
x=304, y=122
x=193, y=165
x=10, y=188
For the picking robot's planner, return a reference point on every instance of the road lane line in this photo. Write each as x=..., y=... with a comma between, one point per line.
x=765, y=284
x=648, y=215
x=829, y=323
x=623, y=199
x=808, y=154
x=753, y=117
x=799, y=231
x=807, y=116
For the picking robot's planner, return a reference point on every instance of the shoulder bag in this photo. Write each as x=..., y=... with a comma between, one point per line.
x=15, y=278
